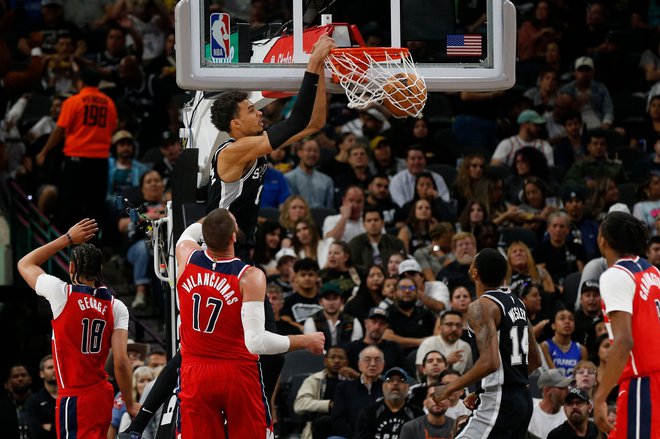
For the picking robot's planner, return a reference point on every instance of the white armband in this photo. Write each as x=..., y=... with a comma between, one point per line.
x=192, y=233
x=257, y=339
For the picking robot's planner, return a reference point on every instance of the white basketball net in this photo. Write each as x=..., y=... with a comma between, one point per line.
x=366, y=80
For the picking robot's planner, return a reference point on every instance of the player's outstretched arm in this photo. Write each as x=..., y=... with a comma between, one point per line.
x=188, y=242
x=30, y=265
x=617, y=358
x=483, y=316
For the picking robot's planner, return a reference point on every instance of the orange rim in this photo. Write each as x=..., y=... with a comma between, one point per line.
x=357, y=57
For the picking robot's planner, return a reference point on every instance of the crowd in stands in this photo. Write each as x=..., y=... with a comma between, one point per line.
x=368, y=228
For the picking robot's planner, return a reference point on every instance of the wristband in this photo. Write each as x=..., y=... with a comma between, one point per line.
x=69, y=238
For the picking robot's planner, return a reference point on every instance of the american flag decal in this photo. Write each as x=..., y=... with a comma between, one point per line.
x=463, y=45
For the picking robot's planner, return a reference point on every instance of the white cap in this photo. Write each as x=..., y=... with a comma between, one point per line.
x=285, y=251
x=619, y=207
x=409, y=265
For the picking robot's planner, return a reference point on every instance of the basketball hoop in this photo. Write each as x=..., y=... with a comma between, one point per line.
x=384, y=75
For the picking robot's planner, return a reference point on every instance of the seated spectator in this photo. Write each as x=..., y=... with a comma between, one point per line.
x=548, y=413
x=384, y=161
x=649, y=62
x=464, y=247
x=594, y=99
x=522, y=266
x=590, y=311
x=415, y=234
x=374, y=246
x=307, y=243
x=649, y=165
x=559, y=255
x=420, y=134
x=647, y=209
x=358, y=175
x=268, y=241
x=47, y=29
x=275, y=189
x=433, y=364
x=60, y=68
x=294, y=208
x=152, y=203
x=368, y=124
x=369, y=294
x=560, y=351
x=315, y=397
x=304, y=180
x=107, y=61
x=393, y=264
x=530, y=295
x=604, y=198
x=434, y=424
x=543, y=95
x=499, y=210
x=528, y=162
x=653, y=253
x=280, y=159
x=339, y=267
x=347, y=224
x=17, y=383
x=535, y=208
x=433, y=294
x=565, y=104
x=472, y=217
x=384, y=418
x=460, y=300
x=487, y=235
x=448, y=342
x=436, y=255
x=595, y=165
x=426, y=189
x=378, y=196
x=352, y=396
x=40, y=407
x=530, y=123
x=534, y=35
x=338, y=164
x=584, y=230
x=338, y=327
x=585, y=377
x=283, y=277
x=169, y=150
x=599, y=354
x=456, y=406
x=471, y=183
x=577, y=407
x=123, y=170
x=276, y=298
x=402, y=185
x=156, y=358
x=304, y=301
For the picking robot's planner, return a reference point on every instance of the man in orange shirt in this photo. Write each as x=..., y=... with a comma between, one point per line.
x=86, y=124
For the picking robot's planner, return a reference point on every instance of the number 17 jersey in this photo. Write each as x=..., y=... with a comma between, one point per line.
x=210, y=304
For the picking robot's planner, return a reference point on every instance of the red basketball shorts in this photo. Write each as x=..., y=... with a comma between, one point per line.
x=214, y=391
x=638, y=409
x=84, y=414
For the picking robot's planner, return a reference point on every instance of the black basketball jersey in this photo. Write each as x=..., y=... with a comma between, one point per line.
x=513, y=337
x=241, y=197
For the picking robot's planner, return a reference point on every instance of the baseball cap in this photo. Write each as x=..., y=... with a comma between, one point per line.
x=121, y=135
x=590, y=285
x=553, y=378
x=373, y=112
x=396, y=371
x=584, y=61
x=409, y=265
x=330, y=288
x=378, y=141
x=52, y=3
x=619, y=207
x=570, y=192
x=379, y=313
x=576, y=394
x=285, y=252
x=530, y=116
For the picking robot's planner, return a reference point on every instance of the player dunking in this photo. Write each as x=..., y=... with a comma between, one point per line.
x=222, y=328
x=237, y=171
x=87, y=322
x=507, y=352
x=630, y=289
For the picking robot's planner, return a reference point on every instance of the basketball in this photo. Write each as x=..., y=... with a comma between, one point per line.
x=405, y=95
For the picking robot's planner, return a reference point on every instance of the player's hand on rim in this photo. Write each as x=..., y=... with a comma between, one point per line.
x=323, y=46
x=83, y=231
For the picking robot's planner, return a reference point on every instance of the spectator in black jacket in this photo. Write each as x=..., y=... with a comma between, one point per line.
x=40, y=407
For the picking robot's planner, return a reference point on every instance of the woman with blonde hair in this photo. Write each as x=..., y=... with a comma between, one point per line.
x=294, y=208
x=471, y=182
x=522, y=264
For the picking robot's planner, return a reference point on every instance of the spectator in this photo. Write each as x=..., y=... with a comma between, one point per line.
x=649, y=62
x=51, y=25
x=283, y=278
x=534, y=35
x=150, y=21
x=595, y=165
x=584, y=230
x=459, y=301
x=528, y=162
x=347, y=224
x=293, y=209
x=595, y=103
x=123, y=170
x=572, y=148
x=378, y=196
x=434, y=424
x=448, y=342
x=433, y=364
x=649, y=165
x=337, y=326
x=528, y=135
x=410, y=324
x=577, y=407
x=436, y=255
x=86, y=124
x=315, y=397
x=605, y=199
x=358, y=175
x=151, y=201
x=351, y=396
x=315, y=187
x=472, y=217
x=384, y=161
x=419, y=133
x=339, y=163
x=60, y=68
x=426, y=189
x=530, y=295
x=499, y=209
x=276, y=189
x=456, y=406
x=267, y=243
x=402, y=186
x=415, y=234
x=368, y=124
x=169, y=152
x=543, y=96
x=12, y=407
x=276, y=298
x=600, y=354
x=471, y=182
x=40, y=407
x=565, y=104
x=393, y=264
x=107, y=61
x=653, y=254
x=589, y=312
x=384, y=418
x=307, y=243
x=142, y=375
x=647, y=209
x=560, y=351
x=522, y=267
x=369, y=294
x=304, y=301
x=156, y=358
x=585, y=377
x=559, y=255
x=548, y=413
x=464, y=247
x=339, y=267
x=375, y=325
x=374, y=246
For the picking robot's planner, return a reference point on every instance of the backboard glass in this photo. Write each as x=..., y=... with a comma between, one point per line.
x=265, y=44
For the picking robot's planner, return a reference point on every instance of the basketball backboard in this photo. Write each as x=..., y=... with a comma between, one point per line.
x=261, y=45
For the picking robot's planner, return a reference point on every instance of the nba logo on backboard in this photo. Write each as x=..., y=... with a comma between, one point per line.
x=220, y=36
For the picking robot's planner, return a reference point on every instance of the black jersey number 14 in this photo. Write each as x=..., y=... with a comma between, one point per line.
x=519, y=346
